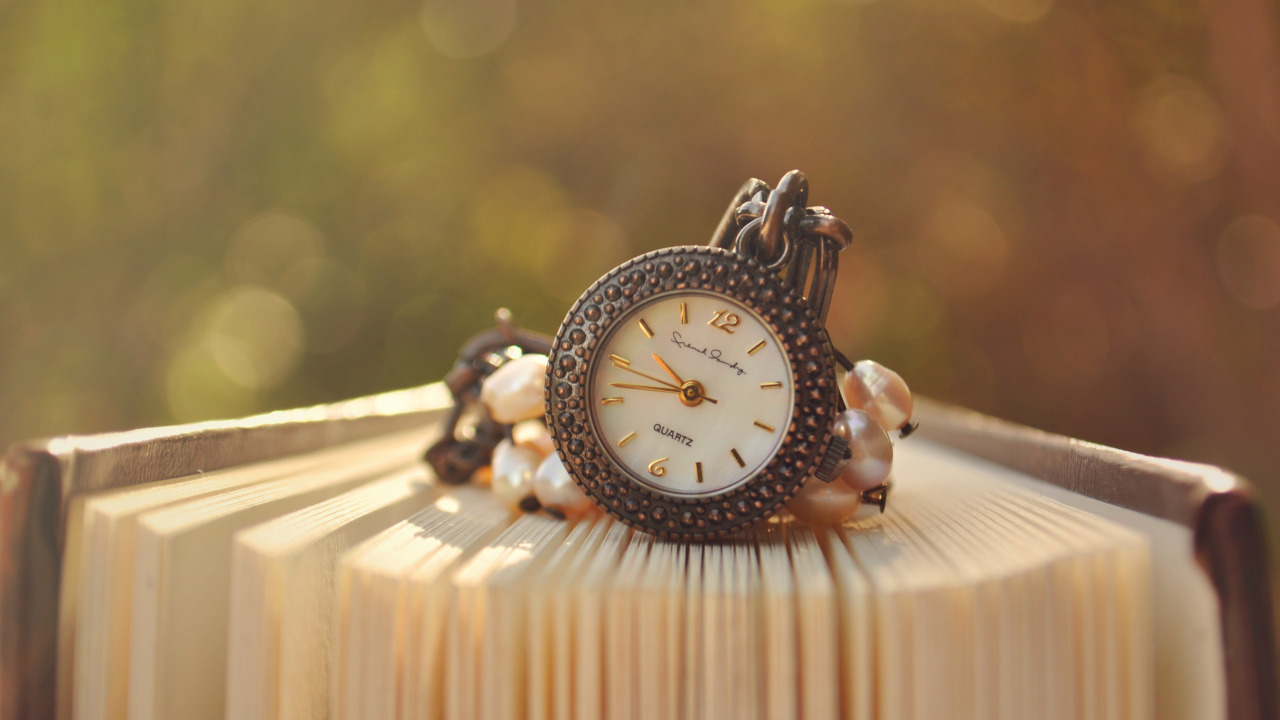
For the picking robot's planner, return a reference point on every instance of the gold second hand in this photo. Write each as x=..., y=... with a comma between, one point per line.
x=647, y=377
x=627, y=386
x=668, y=387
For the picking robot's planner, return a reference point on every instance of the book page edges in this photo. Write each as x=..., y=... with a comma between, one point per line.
x=1217, y=505
x=38, y=478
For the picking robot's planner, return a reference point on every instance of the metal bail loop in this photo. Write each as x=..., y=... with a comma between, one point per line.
x=792, y=192
x=778, y=230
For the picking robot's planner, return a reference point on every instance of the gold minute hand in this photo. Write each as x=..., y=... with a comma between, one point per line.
x=660, y=381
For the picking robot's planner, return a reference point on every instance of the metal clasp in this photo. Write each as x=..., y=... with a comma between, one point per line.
x=460, y=451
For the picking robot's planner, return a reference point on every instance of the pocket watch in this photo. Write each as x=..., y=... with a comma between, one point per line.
x=691, y=392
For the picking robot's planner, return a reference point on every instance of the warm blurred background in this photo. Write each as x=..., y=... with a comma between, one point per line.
x=1066, y=211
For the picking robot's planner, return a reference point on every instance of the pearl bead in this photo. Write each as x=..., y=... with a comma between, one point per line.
x=514, y=391
x=879, y=391
x=532, y=434
x=820, y=503
x=557, y=491
x=513, y=469
x=871, y=449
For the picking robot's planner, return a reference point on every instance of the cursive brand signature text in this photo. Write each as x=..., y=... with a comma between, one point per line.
x=668, y=432
x=712, y=353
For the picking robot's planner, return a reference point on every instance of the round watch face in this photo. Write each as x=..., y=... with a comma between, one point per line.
x=691, y=392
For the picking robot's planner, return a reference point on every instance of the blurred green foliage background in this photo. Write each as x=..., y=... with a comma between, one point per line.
x=1065, y=210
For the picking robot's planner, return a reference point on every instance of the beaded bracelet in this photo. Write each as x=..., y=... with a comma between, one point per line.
x=497, y=432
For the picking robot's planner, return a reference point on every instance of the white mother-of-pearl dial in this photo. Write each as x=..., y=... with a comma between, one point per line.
x=737, y=401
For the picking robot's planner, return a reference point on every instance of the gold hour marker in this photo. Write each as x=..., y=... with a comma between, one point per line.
x=684, y=314
x=764, y=427
x=699, y=467
x=755, y=348
x=611, y=401
x=645, y=327
x=630, y=436
x=737, y=457
x=619, y=360
x=770, y=385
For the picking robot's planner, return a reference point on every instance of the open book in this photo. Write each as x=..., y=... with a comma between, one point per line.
x=306, y=564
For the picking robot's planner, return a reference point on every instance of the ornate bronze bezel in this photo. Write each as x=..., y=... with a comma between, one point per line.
x=677, y=269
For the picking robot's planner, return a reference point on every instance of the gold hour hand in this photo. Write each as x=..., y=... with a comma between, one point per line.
x=667, y=367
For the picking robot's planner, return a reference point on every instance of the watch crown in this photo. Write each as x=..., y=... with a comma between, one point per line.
x=834, y=459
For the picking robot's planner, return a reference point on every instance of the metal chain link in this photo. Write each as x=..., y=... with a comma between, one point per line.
x=774, y=226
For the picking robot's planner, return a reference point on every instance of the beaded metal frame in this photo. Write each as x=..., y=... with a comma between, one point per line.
x=573, y=360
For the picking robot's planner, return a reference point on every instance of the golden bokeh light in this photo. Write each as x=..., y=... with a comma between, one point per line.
x=271, y=246
x=196, y=388
x=1249, y=261
x=1022, y=11
x=962, y=249
x=1183, y=127
x=468, y=28
x=1063, y=215
x=255, y=336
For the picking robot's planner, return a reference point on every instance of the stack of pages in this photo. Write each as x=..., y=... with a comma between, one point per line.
x=347, y=583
